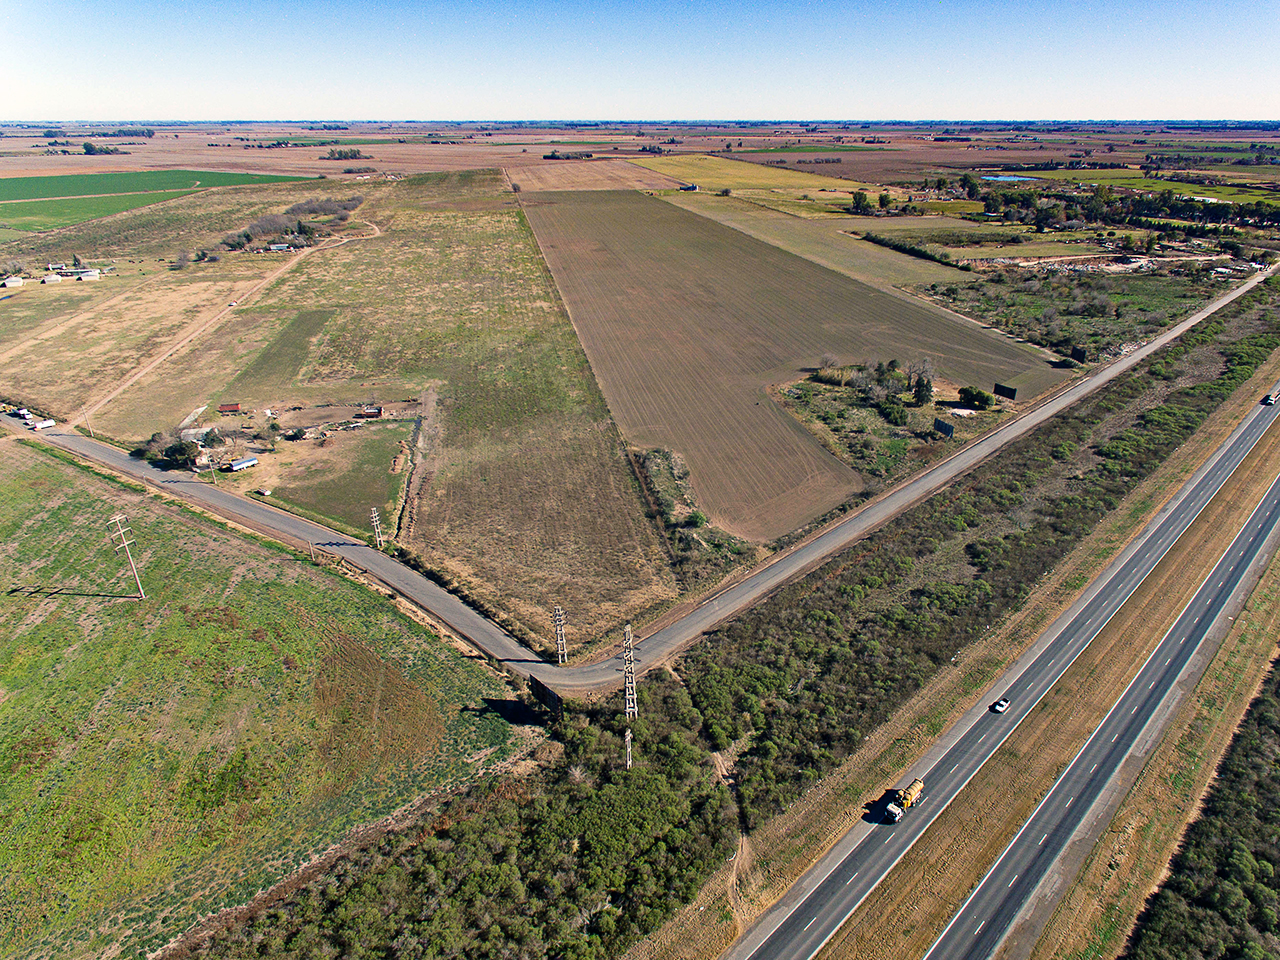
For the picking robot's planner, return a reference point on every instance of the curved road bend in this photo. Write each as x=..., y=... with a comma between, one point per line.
x=999, y=901
x=501, y=646
x=826, y=896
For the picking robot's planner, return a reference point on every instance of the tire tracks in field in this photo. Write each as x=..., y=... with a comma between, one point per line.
x=200, y=327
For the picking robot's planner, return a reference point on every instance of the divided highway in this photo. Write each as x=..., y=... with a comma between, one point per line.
x=817, y=905
x=996, y=903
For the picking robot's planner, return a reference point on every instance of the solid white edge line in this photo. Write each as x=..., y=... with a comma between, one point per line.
x=1246, y=527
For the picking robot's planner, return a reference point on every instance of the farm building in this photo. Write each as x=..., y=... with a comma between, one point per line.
x=90, y=274
x=229, y=408
x=57, y=266
x=370, y=413
x=11, y=282
x=51, y=278
x=690, y=188
x=278, y=247
x=244, y=463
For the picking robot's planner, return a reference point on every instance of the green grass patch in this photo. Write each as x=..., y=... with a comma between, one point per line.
x=40, y=215
x=164, y=758
x=134, y=181
x=282, y=359
x=363, y=480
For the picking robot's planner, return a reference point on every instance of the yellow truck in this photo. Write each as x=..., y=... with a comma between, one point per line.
x=907, y=797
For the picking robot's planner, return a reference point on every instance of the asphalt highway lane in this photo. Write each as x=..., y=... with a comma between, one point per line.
x=991, y=910
x=819, y=904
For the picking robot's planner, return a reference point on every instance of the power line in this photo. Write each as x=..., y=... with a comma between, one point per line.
x=377, y=526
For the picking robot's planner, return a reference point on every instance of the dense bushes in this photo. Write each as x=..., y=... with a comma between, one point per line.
x=1222, y=898
x=578, y=861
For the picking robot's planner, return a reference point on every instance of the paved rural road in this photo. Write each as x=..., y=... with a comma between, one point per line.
x=655, y=648
x=820, y=902
x=998, y=901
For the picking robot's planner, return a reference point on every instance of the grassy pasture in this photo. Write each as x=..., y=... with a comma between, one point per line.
x=348, y=488
x=134, y=181
x=168, y=757
x=42, y=215
x=452, y=294
x=686, y=323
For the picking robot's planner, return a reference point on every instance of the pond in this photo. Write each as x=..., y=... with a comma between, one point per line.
x=1008, y=177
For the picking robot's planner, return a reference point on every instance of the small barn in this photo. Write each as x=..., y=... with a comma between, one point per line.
x=51, y=278
x=229, y=408
x=244, y=463
x=370, y=412
x=11, y=282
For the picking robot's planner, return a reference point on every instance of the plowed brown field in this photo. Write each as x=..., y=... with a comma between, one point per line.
x=686, y=322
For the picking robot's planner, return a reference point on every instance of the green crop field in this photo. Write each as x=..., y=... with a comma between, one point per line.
x=686, y=322
x=41, y=215
x=139, y=181
x=164, y=758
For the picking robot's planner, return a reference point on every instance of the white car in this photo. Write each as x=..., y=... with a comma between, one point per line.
x=1001, y=705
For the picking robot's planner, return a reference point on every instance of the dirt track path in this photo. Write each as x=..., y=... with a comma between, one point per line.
x=195, y=329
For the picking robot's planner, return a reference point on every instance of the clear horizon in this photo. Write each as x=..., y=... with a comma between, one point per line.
x=1148, y=60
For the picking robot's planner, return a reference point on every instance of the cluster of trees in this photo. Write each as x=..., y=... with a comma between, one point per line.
x=1222, y=898
x=352, y=153
x=270, y=225
x=883, y=385
x=171, y=451
x=325, y=206
x=1105, y=207
x=92, y=150
x=578, y=861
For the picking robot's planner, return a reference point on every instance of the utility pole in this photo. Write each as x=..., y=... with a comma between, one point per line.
x=126, y=540
x=377, y=527
x=562, y=654
x=629, y=675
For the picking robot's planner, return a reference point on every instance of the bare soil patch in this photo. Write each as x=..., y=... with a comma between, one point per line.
x=587, y=175
x=687, y=322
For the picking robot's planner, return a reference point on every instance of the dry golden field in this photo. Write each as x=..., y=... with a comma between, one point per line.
x=686, y=322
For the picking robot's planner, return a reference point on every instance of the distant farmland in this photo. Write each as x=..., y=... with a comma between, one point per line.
x=686, y=321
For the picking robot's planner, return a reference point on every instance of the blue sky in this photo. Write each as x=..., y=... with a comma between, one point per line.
x=652, y=59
